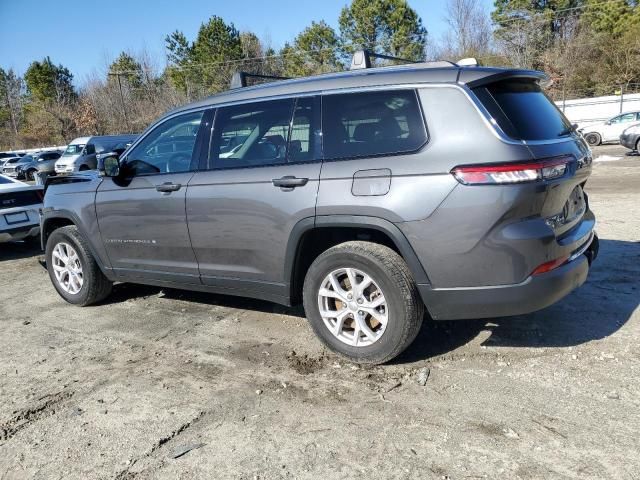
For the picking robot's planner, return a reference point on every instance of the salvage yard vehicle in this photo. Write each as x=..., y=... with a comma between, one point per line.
x=630, y=138
x=609, y=131
x=42, y=163
x=20, y=205
x=80, y=154
x=368, y=195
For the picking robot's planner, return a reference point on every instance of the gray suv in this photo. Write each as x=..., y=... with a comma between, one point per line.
x=366, y=195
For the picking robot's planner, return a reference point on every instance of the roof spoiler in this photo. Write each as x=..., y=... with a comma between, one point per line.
x=473, y=77
x=239, y=79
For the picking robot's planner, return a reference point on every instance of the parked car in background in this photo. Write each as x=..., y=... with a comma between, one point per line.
x=8, y=160
x=41, y=163
x=5, y=155
x=10, y=169
x=353, y=193
x=609, y=131
x=20, y=206
x=81, y=153
x=630, y=138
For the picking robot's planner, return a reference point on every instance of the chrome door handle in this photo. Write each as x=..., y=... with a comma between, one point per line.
x=168, y=187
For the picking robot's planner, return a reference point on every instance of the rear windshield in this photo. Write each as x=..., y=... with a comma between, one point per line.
x=523, y=111
x=4, y=180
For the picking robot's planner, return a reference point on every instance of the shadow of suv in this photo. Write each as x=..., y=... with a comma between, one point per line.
x=367, y=195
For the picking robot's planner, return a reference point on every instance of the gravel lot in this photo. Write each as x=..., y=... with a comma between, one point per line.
x=169, y=384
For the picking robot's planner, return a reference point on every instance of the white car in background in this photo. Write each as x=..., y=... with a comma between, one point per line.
x=20, y=206
x=609, y=131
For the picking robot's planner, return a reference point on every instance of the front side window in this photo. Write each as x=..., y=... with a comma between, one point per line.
x=168, y=148
x=627, y=117
x=371, y=123
x=251, y=135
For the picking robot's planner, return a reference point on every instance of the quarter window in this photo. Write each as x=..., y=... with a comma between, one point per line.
x=168, y=148
x=251, y=135
x=371, y=123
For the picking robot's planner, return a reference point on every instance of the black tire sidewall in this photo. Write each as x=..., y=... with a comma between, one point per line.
x=393, y=335
x=595, y=137
x=59, y=236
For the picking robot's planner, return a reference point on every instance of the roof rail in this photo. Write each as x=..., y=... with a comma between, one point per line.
x=362, y=59
x=239, y=79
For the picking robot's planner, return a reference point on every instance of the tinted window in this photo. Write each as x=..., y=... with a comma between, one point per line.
x=249, y=135
x=523, y=111
x=168, y=148
x=371, y=123
x=303, y=128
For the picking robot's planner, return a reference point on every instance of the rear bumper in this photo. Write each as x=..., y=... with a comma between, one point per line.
x=535, y=293
x=19, y=233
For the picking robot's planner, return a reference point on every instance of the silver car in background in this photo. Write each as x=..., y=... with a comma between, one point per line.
x=81, y=153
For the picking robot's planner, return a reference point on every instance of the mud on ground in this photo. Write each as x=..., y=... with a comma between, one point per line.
x=169, y=384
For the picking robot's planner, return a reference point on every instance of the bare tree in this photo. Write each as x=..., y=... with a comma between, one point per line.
x=470, y=29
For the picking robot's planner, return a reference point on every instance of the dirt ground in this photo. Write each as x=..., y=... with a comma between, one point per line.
x=169, y=384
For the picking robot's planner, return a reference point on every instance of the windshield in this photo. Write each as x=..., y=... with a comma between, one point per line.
x=523, y=111
x=26, y=159
x=73, y=150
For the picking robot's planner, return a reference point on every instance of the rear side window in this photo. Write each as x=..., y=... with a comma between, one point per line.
x=523, y=111
x=252, y=135
x=371, y=123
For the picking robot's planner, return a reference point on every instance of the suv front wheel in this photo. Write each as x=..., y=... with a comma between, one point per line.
x=362, y=302
x=73, y=270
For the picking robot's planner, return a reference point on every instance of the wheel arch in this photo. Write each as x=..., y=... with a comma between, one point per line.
x=311, y=236
x=52, y=222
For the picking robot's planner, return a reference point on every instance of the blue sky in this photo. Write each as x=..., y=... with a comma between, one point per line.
x=83, y=35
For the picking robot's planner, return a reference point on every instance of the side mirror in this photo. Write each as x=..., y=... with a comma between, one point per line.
x=109, y=165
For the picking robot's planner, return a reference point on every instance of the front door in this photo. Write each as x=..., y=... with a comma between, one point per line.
x=261, y=179
x=617, y=125
x=141, y=213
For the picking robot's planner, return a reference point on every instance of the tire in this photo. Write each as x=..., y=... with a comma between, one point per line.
x=638, y=146
x=403, y=309
x=95, y=286
x=593, y=139
x=30, y=175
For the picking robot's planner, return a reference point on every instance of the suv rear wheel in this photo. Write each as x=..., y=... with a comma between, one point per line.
x=362, y=302
x=73, y=270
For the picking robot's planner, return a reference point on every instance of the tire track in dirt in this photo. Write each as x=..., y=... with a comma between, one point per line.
x=23, y=418
x=127, y=474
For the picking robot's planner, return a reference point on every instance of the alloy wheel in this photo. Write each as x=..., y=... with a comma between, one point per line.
x=67, y=268
x=353, y=307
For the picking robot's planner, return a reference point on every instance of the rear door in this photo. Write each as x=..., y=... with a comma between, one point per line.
x=141, y=213
x=260, y=180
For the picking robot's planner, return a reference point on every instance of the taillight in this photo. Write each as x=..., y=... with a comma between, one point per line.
x=506, y=173
x=40, y=194
x=548, y=266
